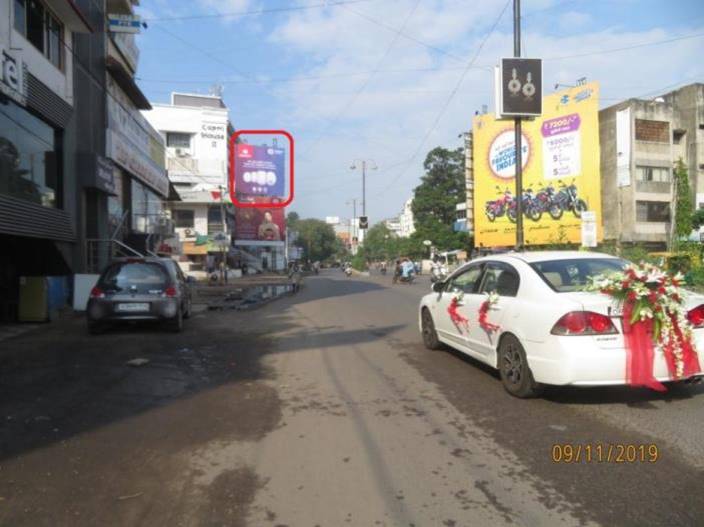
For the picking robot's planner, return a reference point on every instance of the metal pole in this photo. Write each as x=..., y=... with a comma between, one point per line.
x=518, y=136
x=364, y=188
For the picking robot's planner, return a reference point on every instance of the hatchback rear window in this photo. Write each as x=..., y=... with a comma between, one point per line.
x=565, y=276
x=140, y=277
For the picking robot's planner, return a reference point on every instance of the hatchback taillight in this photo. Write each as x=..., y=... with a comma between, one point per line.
x=696, y=316
x=96, y=292
x=584, y=323
x=170, y=291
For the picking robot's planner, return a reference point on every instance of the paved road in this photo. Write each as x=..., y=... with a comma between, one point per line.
x=320, y=409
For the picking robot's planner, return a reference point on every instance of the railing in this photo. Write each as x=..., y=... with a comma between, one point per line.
x=100, y=251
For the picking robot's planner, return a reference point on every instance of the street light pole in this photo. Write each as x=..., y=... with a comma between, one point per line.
x=372, y=166
x=518, y=135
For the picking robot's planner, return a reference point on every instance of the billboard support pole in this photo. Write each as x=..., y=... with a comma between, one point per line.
x=517, y=127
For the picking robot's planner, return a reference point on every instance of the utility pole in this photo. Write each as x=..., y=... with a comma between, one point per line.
x=223, y=268
x=517, y=127
x=353, y=228
x=372, y=166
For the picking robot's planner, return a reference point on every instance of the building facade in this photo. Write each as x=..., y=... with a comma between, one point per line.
x=405, y=219
x=196, y=129
x=38, y=220
x=68, y=154
x=641, y=141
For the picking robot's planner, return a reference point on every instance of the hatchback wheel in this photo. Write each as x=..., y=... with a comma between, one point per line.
x=430, y=336
x=514, y=370
x=176, y=324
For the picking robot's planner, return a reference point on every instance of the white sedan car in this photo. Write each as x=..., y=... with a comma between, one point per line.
x=550, y=331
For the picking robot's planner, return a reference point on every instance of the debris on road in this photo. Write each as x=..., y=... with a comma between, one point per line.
x=129, y=496
x=137, y=362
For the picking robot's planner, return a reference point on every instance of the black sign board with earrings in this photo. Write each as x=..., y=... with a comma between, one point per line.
x=519, y=88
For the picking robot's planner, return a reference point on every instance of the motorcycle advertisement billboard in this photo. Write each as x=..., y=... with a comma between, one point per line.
x=561, y=174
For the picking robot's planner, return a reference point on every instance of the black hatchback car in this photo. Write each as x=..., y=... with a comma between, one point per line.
x=131, y=289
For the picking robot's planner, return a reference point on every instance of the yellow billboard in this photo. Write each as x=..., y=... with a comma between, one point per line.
x=561, y=177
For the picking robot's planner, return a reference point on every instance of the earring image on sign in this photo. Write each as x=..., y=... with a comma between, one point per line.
x=529, y=87
x=514, y=85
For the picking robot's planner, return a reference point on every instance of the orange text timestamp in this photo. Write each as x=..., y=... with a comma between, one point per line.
x=605, y=453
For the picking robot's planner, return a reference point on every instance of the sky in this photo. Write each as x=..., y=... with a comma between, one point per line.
x=389, y=80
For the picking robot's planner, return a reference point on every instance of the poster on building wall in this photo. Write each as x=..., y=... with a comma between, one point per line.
x=257, y=226
x=260, y=170
x=561, y=172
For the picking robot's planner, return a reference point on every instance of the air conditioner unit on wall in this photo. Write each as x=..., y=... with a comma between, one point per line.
x=190, y=233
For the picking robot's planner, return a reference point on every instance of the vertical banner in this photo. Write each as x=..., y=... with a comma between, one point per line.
x=623, y=147
x=561, y=172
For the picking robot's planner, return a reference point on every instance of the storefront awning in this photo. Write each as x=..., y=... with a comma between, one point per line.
x=124, y=79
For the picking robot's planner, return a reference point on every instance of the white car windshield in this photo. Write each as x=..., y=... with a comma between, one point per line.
x=569, y=275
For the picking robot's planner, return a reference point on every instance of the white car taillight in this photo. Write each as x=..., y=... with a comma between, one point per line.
x=696, y=316
x=584, y=323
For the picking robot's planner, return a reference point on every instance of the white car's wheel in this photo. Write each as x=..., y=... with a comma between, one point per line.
x=514, y=370
x=430, y=336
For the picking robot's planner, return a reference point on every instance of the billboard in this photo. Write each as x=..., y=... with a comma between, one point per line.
x=561, y=176
x=257, y=226
x=520, y=88
x=260, y=170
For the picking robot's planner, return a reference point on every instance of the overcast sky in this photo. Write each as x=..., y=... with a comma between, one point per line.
x=388, y=80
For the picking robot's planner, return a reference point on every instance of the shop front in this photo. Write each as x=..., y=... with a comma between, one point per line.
x=36, y=233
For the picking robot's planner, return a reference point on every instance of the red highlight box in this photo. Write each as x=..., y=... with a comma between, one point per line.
x=277, y=204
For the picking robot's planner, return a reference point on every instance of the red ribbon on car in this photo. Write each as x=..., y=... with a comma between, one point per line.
x=457, y=319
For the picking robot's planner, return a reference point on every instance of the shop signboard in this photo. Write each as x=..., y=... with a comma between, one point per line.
x=561, y=172
x=12, y=82
x=124, y=23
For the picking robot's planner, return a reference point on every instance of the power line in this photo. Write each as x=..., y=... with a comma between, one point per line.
x=404, y=34
x=449, y=99
x=257, y=11
x=368, y=79
x=624, y=48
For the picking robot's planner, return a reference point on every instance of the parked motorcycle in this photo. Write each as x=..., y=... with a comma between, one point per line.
x=438, y=273
x=567, y=199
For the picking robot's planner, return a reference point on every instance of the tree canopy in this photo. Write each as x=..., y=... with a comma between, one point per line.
x=435, y=199
x=315, y=237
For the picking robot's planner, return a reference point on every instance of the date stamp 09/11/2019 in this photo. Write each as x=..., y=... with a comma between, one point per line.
x=605, y=453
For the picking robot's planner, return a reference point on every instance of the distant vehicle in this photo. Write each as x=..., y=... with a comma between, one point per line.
x=549, y=331
x=132, y=289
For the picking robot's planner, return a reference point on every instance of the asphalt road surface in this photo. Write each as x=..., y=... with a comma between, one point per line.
x=321, y=408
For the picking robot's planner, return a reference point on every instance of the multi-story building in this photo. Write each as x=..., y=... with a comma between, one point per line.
x=74, y=154
x=196, y=129
x=641, y=140
x=394, y=225
x=405, y=219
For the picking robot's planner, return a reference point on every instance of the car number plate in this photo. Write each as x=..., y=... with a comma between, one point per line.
x=133, y=307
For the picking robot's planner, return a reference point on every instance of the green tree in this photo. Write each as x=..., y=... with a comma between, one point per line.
x=435, y=199
x=697, y=219
x=379, y=243
x=316, y=238
x=683, y=204
x=292, y=219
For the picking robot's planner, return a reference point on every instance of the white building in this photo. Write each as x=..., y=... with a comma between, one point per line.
x=196, y=129
x=394, y=225
x=407, y=227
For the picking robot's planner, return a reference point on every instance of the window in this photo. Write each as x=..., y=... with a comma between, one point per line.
x=500, y=278
x=565, y=276
x=653, y=211
x=42, y=29
x=468, y=281
x=21, y=16
x=658, y=174
x=214, y=219
x=30, y=157
x=184, y=218
x=178, y=140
